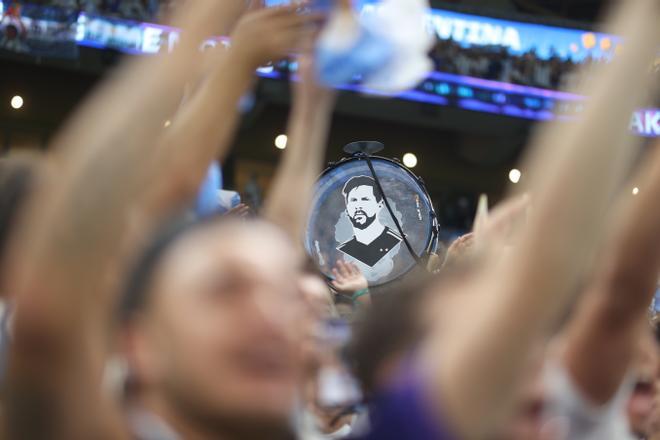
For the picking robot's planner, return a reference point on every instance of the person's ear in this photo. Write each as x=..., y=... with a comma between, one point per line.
x=140, y=357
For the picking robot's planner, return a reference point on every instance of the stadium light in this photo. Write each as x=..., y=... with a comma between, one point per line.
x=16, y=102
x=410, y=160
x=281, y=141
x=515, y=175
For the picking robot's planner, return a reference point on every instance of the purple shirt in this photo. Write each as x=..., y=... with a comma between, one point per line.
x=404, y=412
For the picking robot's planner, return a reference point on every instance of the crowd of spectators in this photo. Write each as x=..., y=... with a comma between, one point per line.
x=498, y=64
x=488, y=62
x=128, y=9
x=129, y=315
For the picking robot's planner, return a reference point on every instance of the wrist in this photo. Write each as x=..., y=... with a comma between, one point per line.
x=321, y=98
x=360, y=293
x=237, y=57
x=313, y=111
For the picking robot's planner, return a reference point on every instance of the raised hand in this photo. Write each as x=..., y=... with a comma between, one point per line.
x=461, y=249
x=555, y=247
x=270, y=34
x=308, y=91
x=241, y=210
x=308, y=130
x=498, y=227
x=348, y=278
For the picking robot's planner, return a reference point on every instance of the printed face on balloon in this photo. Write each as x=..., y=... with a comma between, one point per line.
x=362, y=206
x=352, y=221
x=371, y=240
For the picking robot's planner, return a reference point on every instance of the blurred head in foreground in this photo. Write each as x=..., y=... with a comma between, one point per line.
x=393, y=330
x=319, y=308
x=212, y=329
x=17, y=178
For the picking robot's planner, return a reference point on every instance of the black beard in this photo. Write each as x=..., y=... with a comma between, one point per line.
x=364, y=225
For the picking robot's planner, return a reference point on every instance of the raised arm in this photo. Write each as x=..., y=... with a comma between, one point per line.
x=101, y=179
x=72, y=236
x=288, y=203
x=59, y=262
x=602, y=337
x=93, y=172
x=575, y=169
x=207, y=122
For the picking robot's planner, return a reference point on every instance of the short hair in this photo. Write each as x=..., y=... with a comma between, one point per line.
x=390, y=327
x=356, y=181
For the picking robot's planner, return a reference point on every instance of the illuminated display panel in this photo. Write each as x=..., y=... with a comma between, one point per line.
x=466, y=29
x=440, y=88
x=519, y=38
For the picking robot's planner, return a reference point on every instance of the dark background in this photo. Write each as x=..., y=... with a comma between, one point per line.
x=460, y=153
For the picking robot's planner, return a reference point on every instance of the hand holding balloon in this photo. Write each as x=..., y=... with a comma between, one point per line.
x=348, y=278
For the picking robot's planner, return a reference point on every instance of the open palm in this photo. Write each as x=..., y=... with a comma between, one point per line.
x=348, y=278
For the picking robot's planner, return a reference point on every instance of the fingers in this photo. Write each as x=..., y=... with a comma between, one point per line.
x=298, y=22
x=283, y=10
x=344, y=269
x=507, y=216
x=255, y=5
x=287, y=30
x=340, y=268
x=291, y=16
x=352, y=270
x=305, y=42
x=241, y=210
x=511, y=208
x=345, y=5
x=244, y=211
x=481, y=218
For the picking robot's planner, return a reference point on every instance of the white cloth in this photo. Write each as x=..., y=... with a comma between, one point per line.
x=385, y=47
x=404, y=24
x=576, y=417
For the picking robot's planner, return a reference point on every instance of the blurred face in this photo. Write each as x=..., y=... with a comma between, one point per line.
x=317, y=297
x=528, y=421
x=318, y=308
x=220, y=337
x=641, y=404
x=362, y=206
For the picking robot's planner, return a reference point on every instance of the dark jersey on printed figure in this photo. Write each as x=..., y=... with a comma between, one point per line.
x=371, y=253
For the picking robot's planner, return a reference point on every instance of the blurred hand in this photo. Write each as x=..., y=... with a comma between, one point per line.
x=346, y=5
x=241, y=210
x=461, y=249
x=308, y=91
x=653, y=429
x=499, y=227
x=348, y=278
x=269, y=34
